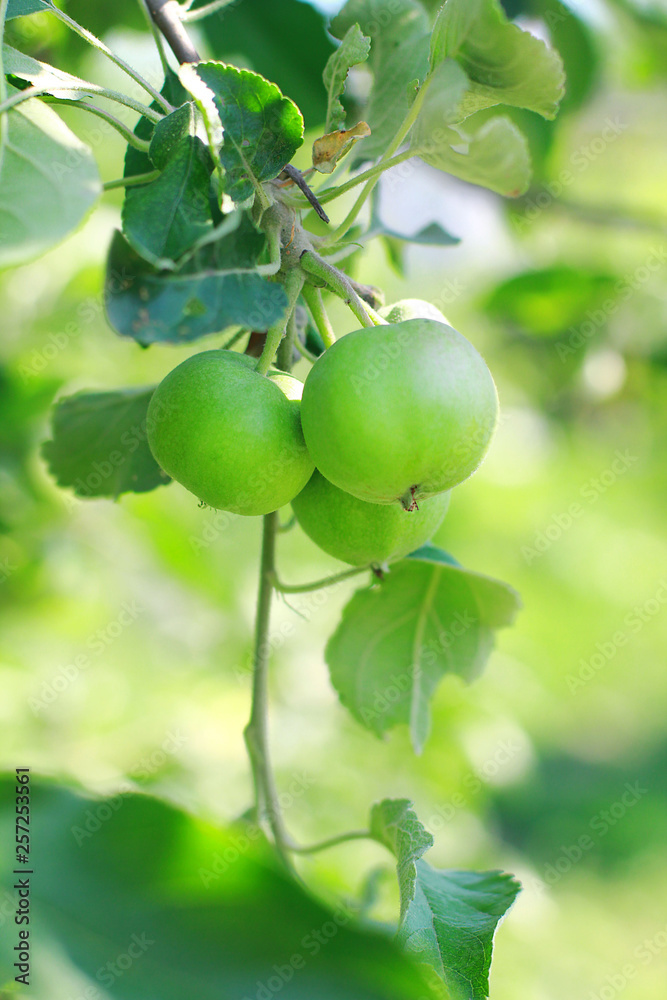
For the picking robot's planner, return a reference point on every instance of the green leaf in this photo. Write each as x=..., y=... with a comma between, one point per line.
x=99, y=445
x=17, y=8
x=48, y=182
x=261, y=129
x=550, y=301
x=136, y=161
x=448, y=918
x=41, y=74
x=577, y=46
x=177, y=307
x=432, y=235
x=505, y=65
x=286, y=42
x=187, y=910
x=353, y=50
x=164, y=219
x=399, y=55
x=394, y=823
x=451, y=922
x=494, y=155
x=431, y=553
x=397, y=640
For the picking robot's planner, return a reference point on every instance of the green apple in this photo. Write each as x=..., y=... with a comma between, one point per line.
x=362, y=533
x=406, y=309
x=229, y=435
x=399, y=412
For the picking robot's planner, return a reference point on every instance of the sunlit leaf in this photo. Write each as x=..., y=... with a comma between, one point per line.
x=287, y=43
x=48, y=182
x=397, y=640
x=395, y=824
x=494, y=154
x=448, y=918
x=505, y=65
x=451, y=922
x=260, y=129
x=41, y=74
x=353, y=49
x=399, y=36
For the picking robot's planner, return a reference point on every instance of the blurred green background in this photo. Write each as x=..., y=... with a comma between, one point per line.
x=125, y=628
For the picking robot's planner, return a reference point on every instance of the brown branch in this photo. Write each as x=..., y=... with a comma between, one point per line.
x=166, y=14
x=297, y=177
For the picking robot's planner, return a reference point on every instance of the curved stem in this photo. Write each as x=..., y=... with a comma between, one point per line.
x=323, y=845
x=121, y=127
x=4, y=124
x=134, y=181
x=111, y=95
x=313, y=298
x=327, y=581
x=201, y=12
x=275, y=333
x=341, y=285
x=284, y=358
x=101, y=47
x=304, y=352
x=329, y=193
x=256, y=732
x=157, y=36
x=396, y=142
x=275, y=250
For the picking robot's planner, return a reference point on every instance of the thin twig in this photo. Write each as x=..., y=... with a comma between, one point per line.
x=327, y=581
x=324, y=845
x=201, y=12
x=296, y=176
x=167, y=16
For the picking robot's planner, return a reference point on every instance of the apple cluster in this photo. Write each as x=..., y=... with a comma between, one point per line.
x=388, y=421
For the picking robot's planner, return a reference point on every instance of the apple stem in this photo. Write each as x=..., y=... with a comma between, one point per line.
x=256, y=733
x=340, y=284
x=274, y=335
x=327, y=581
x=313, y=299
x=407, y=501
